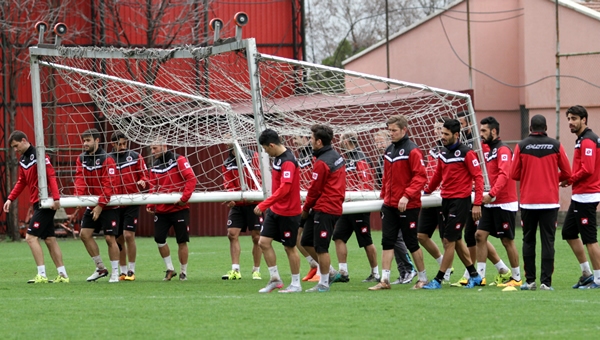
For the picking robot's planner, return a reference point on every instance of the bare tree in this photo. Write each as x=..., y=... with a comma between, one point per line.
x=17, y=34
x=362, y=23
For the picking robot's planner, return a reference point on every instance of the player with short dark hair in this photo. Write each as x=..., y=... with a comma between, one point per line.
x=282, y=212
x=500, y=204
x=323, y=205
x=171, y=173
x=359, y=177
x=581, y=216
x=241, y=215
x=96, y=175
x=41, y=224
x=539, y=163
x=457, y=168
x=132, y=171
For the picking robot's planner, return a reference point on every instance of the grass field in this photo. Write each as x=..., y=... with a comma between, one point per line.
x=207, y=307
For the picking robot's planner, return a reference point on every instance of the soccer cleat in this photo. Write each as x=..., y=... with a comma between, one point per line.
x=397, y=282
x=474, y=281
x=61, y=279
x=462, y=282
x=381, y=286
x=419, y=285
x=511, y=283
x=584, y=281
x=271, y=286
x=232, y=275
x=544, y=287
x=291, y=289
x=114, y=277
x=315, y=278
x=592, y=285
x=528, y=286
x=38, y=279
x=371, y=278
x=182, y=277
x=501, y=279
x=169, y=275
x=99, y=273
x=256, y=276
x=130, y=276
x=342, y=277
x=319, y=288
x=483, y=282
x=312, y=272
x=334, y=276
x=433, y=284
x=122, y=277
x=408, y=277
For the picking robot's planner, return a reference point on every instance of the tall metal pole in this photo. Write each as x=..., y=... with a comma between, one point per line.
x=387, y=40
x=38, y=128
x=557, y=73
x=469, y=44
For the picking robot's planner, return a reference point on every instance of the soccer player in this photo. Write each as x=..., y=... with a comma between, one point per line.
x=96, y=175
x=536, y=164
x=500, y=204
x=41, y=224
x=404, y=177
x=323, y=205
x=406, y=270
x=581, y=216
x=132, y=171
x=241, y=214
x=305, y=157
x=359, y=177
x=282, y=212
x=457, y=168
x=171, y=173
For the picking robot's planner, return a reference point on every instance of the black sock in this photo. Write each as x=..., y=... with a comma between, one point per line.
x=439, y=277
x=472, y=271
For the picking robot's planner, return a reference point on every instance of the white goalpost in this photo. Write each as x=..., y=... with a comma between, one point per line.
x=205, y=101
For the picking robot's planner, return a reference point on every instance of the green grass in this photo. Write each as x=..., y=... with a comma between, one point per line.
x=207, y=307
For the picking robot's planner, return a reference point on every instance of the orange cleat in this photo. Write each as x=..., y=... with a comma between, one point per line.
x=311, y=273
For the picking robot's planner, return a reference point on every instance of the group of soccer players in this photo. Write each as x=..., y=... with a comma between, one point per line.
x=102, y=174
x=538, y=162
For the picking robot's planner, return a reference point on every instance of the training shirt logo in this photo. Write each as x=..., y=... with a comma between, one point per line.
x=475, y=163
x=287, y=174
x=456, y=153
x=97, y=162
x=129, y=159
x=401, y=152
x=504, y=158
x=111, y=171
x=588, y=152
x=186, y=165
x=315, y=176
x=31, y=157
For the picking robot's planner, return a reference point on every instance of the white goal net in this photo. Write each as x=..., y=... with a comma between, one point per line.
x=204, y=101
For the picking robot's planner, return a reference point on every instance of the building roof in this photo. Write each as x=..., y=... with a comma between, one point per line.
x=590, y=8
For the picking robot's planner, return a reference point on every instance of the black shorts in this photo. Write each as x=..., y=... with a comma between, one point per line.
x=360, y=224
x=280, y=228
x=128, y=218
x=42, y=222
x=429, y=220
x=179, y=220
x=318, y=231
x=107, y=222
x=243, y=217
x=393, y=221
x=581, y=219
x=498, y=222
x=455, y=212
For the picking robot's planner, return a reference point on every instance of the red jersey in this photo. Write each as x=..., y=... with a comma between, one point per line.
x=359, y=172
x=172, y=173
x=535, y=164
x=28, y=177
x=498, y=162
x=231, y=177
x=404, y=174
x=328, y=187
x=586, y=166
x=285, y=183
x=131, y=168
x=96, y=175
x=458, y=167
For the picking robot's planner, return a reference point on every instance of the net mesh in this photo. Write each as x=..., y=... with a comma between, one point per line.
x=200, y=104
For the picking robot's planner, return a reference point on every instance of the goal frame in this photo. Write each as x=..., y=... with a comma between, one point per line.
x=357, y=201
